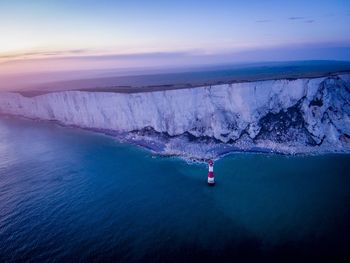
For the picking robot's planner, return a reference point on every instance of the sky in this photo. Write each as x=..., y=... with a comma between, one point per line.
x=84, y=34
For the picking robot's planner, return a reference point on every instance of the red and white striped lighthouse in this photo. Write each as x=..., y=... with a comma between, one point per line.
x=211, y=180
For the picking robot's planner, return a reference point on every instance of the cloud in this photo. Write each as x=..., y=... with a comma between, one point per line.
x=86, y=54
x=41, y=54
x=296, y=18
x=263, y=21
x=64, y=52
x=90, y=56
x=301, y=18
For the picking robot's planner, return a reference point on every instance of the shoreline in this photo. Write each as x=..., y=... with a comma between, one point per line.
x=149, y=146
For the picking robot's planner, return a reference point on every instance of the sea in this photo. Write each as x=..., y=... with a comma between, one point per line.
x=70, y=195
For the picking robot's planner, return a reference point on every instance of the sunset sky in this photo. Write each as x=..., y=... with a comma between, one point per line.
x=69, y=34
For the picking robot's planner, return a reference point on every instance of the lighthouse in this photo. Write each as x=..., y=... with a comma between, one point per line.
x=211, y=180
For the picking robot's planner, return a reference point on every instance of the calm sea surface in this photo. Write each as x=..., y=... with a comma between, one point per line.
x=68, y=195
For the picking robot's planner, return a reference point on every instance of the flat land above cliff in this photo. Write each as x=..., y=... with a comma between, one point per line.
x=195, y=77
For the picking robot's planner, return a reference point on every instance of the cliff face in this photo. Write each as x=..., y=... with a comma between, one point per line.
x=283, y=115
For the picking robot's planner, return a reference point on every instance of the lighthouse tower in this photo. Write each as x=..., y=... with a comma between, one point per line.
x=211, y=180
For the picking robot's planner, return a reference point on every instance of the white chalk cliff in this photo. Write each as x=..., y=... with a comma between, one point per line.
x=289, y=116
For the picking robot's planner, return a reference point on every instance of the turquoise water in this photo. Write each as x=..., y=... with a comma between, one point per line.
x=68, y=195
